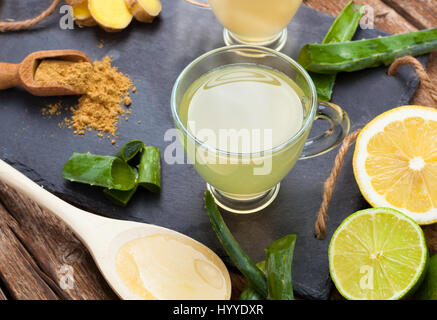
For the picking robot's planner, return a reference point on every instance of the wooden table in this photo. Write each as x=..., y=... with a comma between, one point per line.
x=41, y=259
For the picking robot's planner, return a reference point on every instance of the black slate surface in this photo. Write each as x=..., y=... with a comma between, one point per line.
x=154, y=55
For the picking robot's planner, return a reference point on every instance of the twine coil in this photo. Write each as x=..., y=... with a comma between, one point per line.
x=425, y=80
x=29, y=23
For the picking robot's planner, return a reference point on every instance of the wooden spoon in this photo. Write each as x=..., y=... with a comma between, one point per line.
x=104, y=238
x=13, y=75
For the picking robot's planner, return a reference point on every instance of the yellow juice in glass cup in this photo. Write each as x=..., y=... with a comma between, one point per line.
x=243, y=114
x=244, y=111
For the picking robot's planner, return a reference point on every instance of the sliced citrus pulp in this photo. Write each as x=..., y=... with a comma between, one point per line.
x=377, y=254
x=395, y=162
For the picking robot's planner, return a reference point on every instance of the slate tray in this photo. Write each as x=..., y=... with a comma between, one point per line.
x=154, y=55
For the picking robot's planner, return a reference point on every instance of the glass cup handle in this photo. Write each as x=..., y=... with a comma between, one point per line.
x=199, y=4
x=338, y=130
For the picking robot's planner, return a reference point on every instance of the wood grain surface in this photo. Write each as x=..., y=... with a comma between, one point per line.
x=40, y=258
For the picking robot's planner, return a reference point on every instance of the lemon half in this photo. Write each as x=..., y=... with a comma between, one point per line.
x=395, y=162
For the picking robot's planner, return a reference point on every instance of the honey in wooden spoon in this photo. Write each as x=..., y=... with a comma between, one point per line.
x=166, y=266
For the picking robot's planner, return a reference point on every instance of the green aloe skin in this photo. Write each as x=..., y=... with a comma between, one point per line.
x=118, y=177
x=126, y=153
x=249, y=293
x=130, y=150
x=277, y=269
x=149, y=169
x=343, y=29
x=362, y=54
x=120, y=198
x=252, y=273
x=279, y=259
x=269, y=279
x=104, y=171
x=148, y=174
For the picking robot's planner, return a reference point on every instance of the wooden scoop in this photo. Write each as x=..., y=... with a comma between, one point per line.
x=104, y=237
x=13, y=75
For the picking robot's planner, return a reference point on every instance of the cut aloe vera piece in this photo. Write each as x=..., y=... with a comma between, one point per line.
x=351, y=56
x=249, y=292
x=130, y=150
x=104, y=171
x=118, y=197
x=149, y=169
x=343, y=29
x=279, y=258
x=252, y=273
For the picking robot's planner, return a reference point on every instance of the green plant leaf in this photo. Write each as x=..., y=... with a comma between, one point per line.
x=130, y=150
x=149, y=169
x=279, y=259
x=253, y=274
x=104, y=171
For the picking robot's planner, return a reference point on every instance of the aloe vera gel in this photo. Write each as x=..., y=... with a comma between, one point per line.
x=238, y=114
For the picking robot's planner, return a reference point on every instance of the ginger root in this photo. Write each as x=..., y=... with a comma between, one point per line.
x=111, y=15
x=82, y=15
x=145, y=10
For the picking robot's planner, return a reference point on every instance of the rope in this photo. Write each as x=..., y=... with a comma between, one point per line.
x=421, y=72
x=329, y=185
x=197, y=3
x=26, y=24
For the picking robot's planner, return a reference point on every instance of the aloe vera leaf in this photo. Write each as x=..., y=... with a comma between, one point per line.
x=279, y=258
x=118, y=197
x=343, y=29
x=252, y=273
x=121, y=198
x=125, y=153
x=324, y=85
x=357, y=55
x=104, y=171
x=149, y=169
x=130, y=150
x=249, y=293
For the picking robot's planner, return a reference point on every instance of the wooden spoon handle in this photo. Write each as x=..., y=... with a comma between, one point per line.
x=9, y=77
x=81, y=222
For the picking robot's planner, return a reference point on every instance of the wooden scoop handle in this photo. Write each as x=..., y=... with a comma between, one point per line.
x=81, y=222
x=9, y=77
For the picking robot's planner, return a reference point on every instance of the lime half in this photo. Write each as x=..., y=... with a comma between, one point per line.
x=377, y=254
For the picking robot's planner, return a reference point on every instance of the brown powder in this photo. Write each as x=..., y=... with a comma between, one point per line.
x=105, y=90
x=127, y=101
x=76, y=74
x=52, y=109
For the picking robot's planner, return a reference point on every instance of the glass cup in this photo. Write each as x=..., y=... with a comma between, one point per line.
x=254, y=22
x=239, y=181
